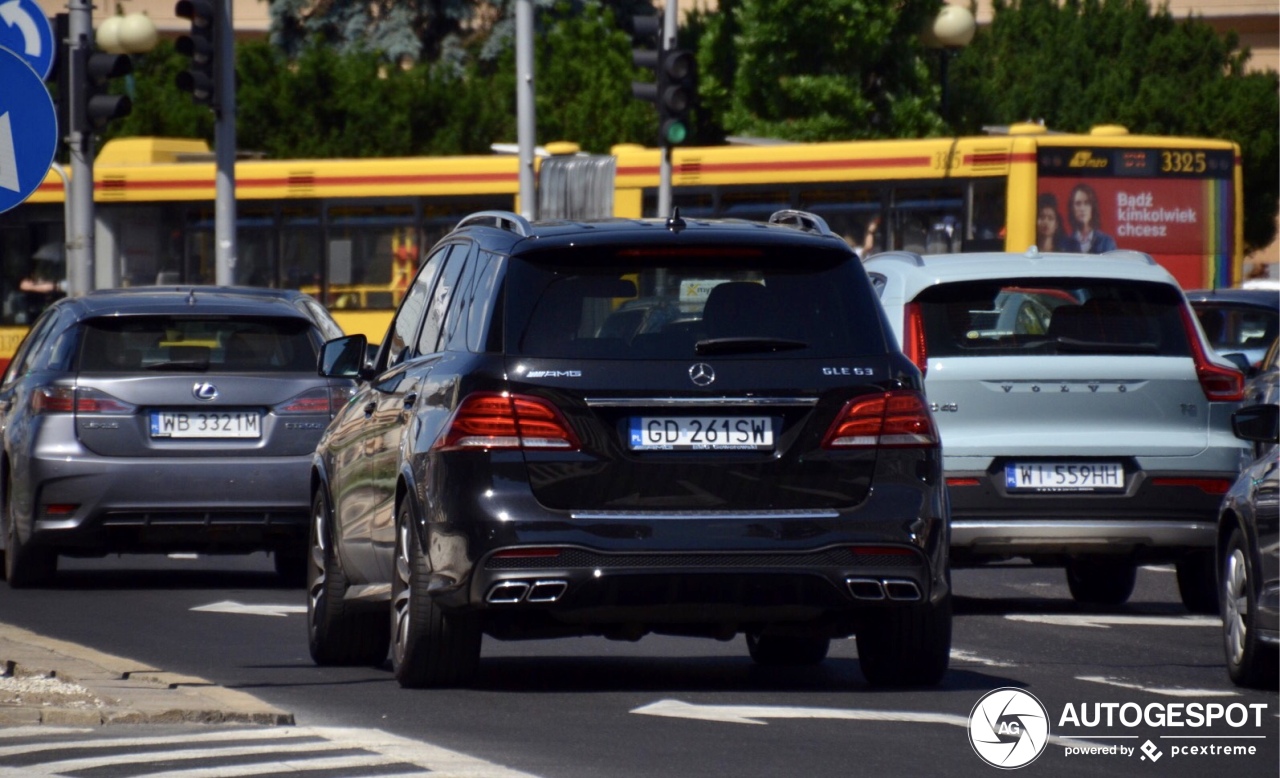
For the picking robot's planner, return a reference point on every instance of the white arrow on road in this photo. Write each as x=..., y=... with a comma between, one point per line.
x=231, y=606
x=752, y=714
x=13, y=13
x=1106, y=622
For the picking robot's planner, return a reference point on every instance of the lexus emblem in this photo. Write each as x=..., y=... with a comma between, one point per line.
x=205, y=391
x=702, y=374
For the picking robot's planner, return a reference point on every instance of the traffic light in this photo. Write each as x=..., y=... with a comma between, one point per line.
x=673, y=90
x=200, y=47
x=647, y=54
x=98, y=104
x=677, y=91
x=85, y=103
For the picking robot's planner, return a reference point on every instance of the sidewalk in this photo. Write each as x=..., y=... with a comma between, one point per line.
x=48, y=681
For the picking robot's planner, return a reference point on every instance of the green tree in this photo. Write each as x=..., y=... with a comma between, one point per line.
x=1083, y=63
x=809, y=70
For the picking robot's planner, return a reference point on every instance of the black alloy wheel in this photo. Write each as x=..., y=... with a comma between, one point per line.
x=338, y=632
x=430, y=646
x=1250, y=662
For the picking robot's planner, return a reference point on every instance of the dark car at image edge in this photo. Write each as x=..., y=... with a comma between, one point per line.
x=524, y=459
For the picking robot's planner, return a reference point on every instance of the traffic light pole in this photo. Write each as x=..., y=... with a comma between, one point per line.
x=80, y=227
x=224, y=211
x=525, y=108
x=670, y=21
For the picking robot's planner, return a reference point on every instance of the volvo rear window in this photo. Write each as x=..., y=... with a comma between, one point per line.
x=1053, y=316
x=141, y=344
x=689, y=303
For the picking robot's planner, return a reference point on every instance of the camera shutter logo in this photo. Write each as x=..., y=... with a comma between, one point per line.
x=1008, y=728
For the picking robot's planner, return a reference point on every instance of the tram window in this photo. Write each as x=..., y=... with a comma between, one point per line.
x=853, y=214
x=928, y=220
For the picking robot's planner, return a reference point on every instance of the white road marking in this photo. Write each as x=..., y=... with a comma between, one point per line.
x=1168, y=692
x=380, y=749
x=231, y=606
x=957, y=655
x=1105, y=622
x=753, y=714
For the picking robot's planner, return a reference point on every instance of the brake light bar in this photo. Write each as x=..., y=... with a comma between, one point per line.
x=895, y=419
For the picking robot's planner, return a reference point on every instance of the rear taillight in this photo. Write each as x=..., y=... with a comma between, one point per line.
x=897, y=419
x=913, y=337
x=1218, y=382
x=507, y=421
x=68, y=399
x=320, y=400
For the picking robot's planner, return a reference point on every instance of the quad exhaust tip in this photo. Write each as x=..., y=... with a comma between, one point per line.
x=511, y=592
x=896, y=589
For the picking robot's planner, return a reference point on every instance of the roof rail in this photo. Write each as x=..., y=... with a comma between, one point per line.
x=503, y=220
x=910, y=257
x=1140, y=256
x=809, y=222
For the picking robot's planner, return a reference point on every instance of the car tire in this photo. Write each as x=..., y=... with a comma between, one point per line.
x=1198, y=582
x=1250, y=662
x=1101, y=581
x=292, y=565
x=787, y=650
x=24, y=567
x=338, y=633
x=430, y=647
x=908, y=645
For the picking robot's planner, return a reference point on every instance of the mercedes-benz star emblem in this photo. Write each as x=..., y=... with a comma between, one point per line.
x=702, y=374
x=205, y=391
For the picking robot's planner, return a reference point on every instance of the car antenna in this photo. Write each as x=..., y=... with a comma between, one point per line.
x=675, y=223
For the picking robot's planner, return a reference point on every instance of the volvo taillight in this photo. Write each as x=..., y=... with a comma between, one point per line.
x=507, y=421
x=913, y=336
x=896, y=419
x=1218, y=382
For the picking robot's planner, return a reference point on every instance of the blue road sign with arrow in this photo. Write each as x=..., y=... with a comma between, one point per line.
x=28, y=130
x=26, y=31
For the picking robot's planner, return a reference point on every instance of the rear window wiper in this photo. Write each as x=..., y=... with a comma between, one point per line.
x=746, y=345
x=1102, y=347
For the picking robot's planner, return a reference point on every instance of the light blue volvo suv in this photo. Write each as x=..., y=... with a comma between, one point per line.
x=1085, y=421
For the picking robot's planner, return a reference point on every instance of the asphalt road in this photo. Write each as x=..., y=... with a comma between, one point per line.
x=586, y=708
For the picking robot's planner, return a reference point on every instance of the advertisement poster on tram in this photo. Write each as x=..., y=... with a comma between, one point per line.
x=1175, y=210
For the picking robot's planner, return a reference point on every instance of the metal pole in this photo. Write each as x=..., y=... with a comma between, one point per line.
x=670, y=21
x=224, y=212
x=80, y=243
x=526, y=126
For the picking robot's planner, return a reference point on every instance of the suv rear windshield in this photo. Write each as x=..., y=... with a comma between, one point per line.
x=232, y=345
x=1053, y=316
x=681, y=303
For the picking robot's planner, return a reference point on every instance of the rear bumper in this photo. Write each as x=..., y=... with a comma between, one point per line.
x=533, y=572
x=93, y=505
x=1149, y=521
x=1047, y=536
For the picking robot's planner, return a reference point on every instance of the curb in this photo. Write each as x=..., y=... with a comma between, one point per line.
x=93, y=688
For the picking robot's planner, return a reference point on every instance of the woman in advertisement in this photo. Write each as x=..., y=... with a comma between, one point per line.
x=1086, y=223
x=1050, y=234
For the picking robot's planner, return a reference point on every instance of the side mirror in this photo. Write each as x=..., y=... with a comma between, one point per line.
x=344, y=357
x=1259, y=423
